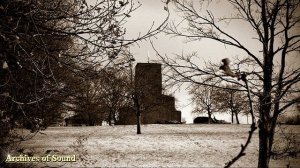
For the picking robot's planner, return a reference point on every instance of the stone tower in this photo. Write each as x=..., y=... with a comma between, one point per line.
x=155, y=107
x=148, y=78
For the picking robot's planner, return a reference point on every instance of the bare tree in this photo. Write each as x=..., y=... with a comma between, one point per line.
x=275, y=25
x=112, y=92
x=203, y=98
x=134, y=94
x=85, y=101
x=232, y=100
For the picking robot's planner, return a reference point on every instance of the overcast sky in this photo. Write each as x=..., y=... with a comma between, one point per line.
x=153, y=11
x=141, y=21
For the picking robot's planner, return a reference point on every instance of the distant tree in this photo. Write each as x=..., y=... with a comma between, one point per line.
x=135, y=97
x=113, y=91
x=234, y=101
x=134, y=94
x=86, y=102
x=204, y=100
x=100, y=95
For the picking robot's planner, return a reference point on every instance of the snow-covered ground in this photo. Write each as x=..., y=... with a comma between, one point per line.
x=158, y=146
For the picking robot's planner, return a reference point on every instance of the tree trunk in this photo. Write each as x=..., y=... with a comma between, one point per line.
x=90, y=121
x=209, y=118
x=264, y=125
x=231, y=106
x=138, y=115
x=138, y=125
x=264, y=140
x=109, y=119
x=272, y=131
x=237, y=118
x=265, y=100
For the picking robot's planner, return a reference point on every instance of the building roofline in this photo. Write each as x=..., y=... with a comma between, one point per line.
x=142, y=63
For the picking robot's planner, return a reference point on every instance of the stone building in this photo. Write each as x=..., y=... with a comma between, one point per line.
x=155, y=107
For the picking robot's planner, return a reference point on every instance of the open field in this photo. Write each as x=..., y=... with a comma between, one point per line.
x=158, y=145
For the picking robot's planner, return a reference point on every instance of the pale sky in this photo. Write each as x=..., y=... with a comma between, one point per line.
x=153, y=11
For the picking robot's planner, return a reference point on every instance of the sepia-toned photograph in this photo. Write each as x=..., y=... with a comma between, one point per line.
x=150, y=83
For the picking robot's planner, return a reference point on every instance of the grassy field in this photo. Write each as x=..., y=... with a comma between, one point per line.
x=158, y=145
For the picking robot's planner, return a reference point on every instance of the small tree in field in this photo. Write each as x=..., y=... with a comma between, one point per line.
x=233, y=101
x=275, y=25
x=204, y=101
